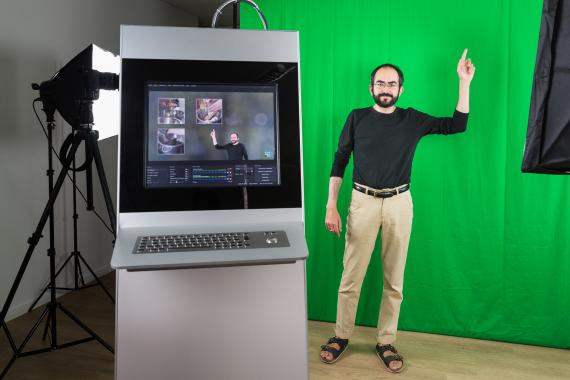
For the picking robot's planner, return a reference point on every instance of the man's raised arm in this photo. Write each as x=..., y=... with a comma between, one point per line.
x=465, y=71
x=213, y=135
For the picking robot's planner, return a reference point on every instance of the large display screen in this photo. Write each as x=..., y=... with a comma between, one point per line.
x=210, y=135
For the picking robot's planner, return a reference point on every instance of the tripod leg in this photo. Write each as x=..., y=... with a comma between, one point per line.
x=48, y=285
x=46, y=328
x=9, y=336
x=80, y=270
x=75, y=273
x=89, y=176
x=19, y=350
x=87, y=329
x=97, y=279
x=8, y=366
x=75, y=217
x=47, y=312
x=37, y=235
x=103, y=182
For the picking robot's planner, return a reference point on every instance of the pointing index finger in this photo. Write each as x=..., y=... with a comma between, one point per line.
x=464, y=54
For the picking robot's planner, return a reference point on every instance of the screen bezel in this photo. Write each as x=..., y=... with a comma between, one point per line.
x=134, y=197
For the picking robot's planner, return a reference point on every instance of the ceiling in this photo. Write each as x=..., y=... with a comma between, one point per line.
x=204, y=10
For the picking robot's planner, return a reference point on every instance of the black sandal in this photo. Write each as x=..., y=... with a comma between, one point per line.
x=343, y=344
x=381, y=349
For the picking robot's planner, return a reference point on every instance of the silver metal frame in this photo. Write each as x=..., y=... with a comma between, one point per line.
x=250, y=2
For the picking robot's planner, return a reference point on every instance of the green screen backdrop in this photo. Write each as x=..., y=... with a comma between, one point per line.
x=489, y=255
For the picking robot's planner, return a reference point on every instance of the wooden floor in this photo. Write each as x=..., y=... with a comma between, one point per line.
x=427, y=356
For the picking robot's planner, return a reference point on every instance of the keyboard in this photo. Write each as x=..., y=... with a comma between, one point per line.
x=210, y=241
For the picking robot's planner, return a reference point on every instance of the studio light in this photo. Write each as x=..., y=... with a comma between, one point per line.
x=73, y=90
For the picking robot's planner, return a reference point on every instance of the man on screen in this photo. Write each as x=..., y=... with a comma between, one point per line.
x=236, y=150
x=383, y=139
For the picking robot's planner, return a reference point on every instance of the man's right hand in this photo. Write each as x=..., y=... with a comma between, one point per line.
x=332, y=221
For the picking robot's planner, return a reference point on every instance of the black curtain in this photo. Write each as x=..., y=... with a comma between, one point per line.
x=547, y=147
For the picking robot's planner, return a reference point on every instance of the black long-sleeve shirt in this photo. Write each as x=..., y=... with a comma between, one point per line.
x=235, y=152
x=384, y=144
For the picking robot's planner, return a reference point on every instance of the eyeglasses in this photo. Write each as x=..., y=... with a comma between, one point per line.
x=389, y=85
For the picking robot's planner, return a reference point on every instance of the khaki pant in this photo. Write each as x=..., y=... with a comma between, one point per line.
x=366, y=216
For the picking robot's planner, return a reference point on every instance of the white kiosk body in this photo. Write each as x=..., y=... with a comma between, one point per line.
x=233, y=305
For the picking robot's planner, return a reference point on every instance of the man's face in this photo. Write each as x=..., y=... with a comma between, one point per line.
x=234, y=138
x=386, y=87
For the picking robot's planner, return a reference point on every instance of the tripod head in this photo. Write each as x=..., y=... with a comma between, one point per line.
x=47, y=105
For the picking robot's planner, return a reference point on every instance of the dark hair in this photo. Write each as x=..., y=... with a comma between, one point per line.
x=234, y=133
x=400, y=73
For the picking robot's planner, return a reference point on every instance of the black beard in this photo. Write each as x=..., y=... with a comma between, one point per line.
x=385, y=104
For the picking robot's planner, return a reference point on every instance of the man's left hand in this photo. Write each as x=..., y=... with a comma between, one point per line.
x=465, y=69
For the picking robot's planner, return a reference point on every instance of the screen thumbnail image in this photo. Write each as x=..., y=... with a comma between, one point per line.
x=209, y=111
x=171, y=141
x=171, y=111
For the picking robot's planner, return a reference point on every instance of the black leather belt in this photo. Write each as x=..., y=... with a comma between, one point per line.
x=383, y=193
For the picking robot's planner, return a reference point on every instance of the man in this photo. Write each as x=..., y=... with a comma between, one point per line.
x=383, y=139
x=236, y=150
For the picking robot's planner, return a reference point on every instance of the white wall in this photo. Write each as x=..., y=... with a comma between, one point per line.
x=36, y=39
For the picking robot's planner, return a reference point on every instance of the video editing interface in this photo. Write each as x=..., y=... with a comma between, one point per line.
x=204, y=135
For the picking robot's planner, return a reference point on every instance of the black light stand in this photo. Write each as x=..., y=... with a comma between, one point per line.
x=81, y=133
x=75, y=255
